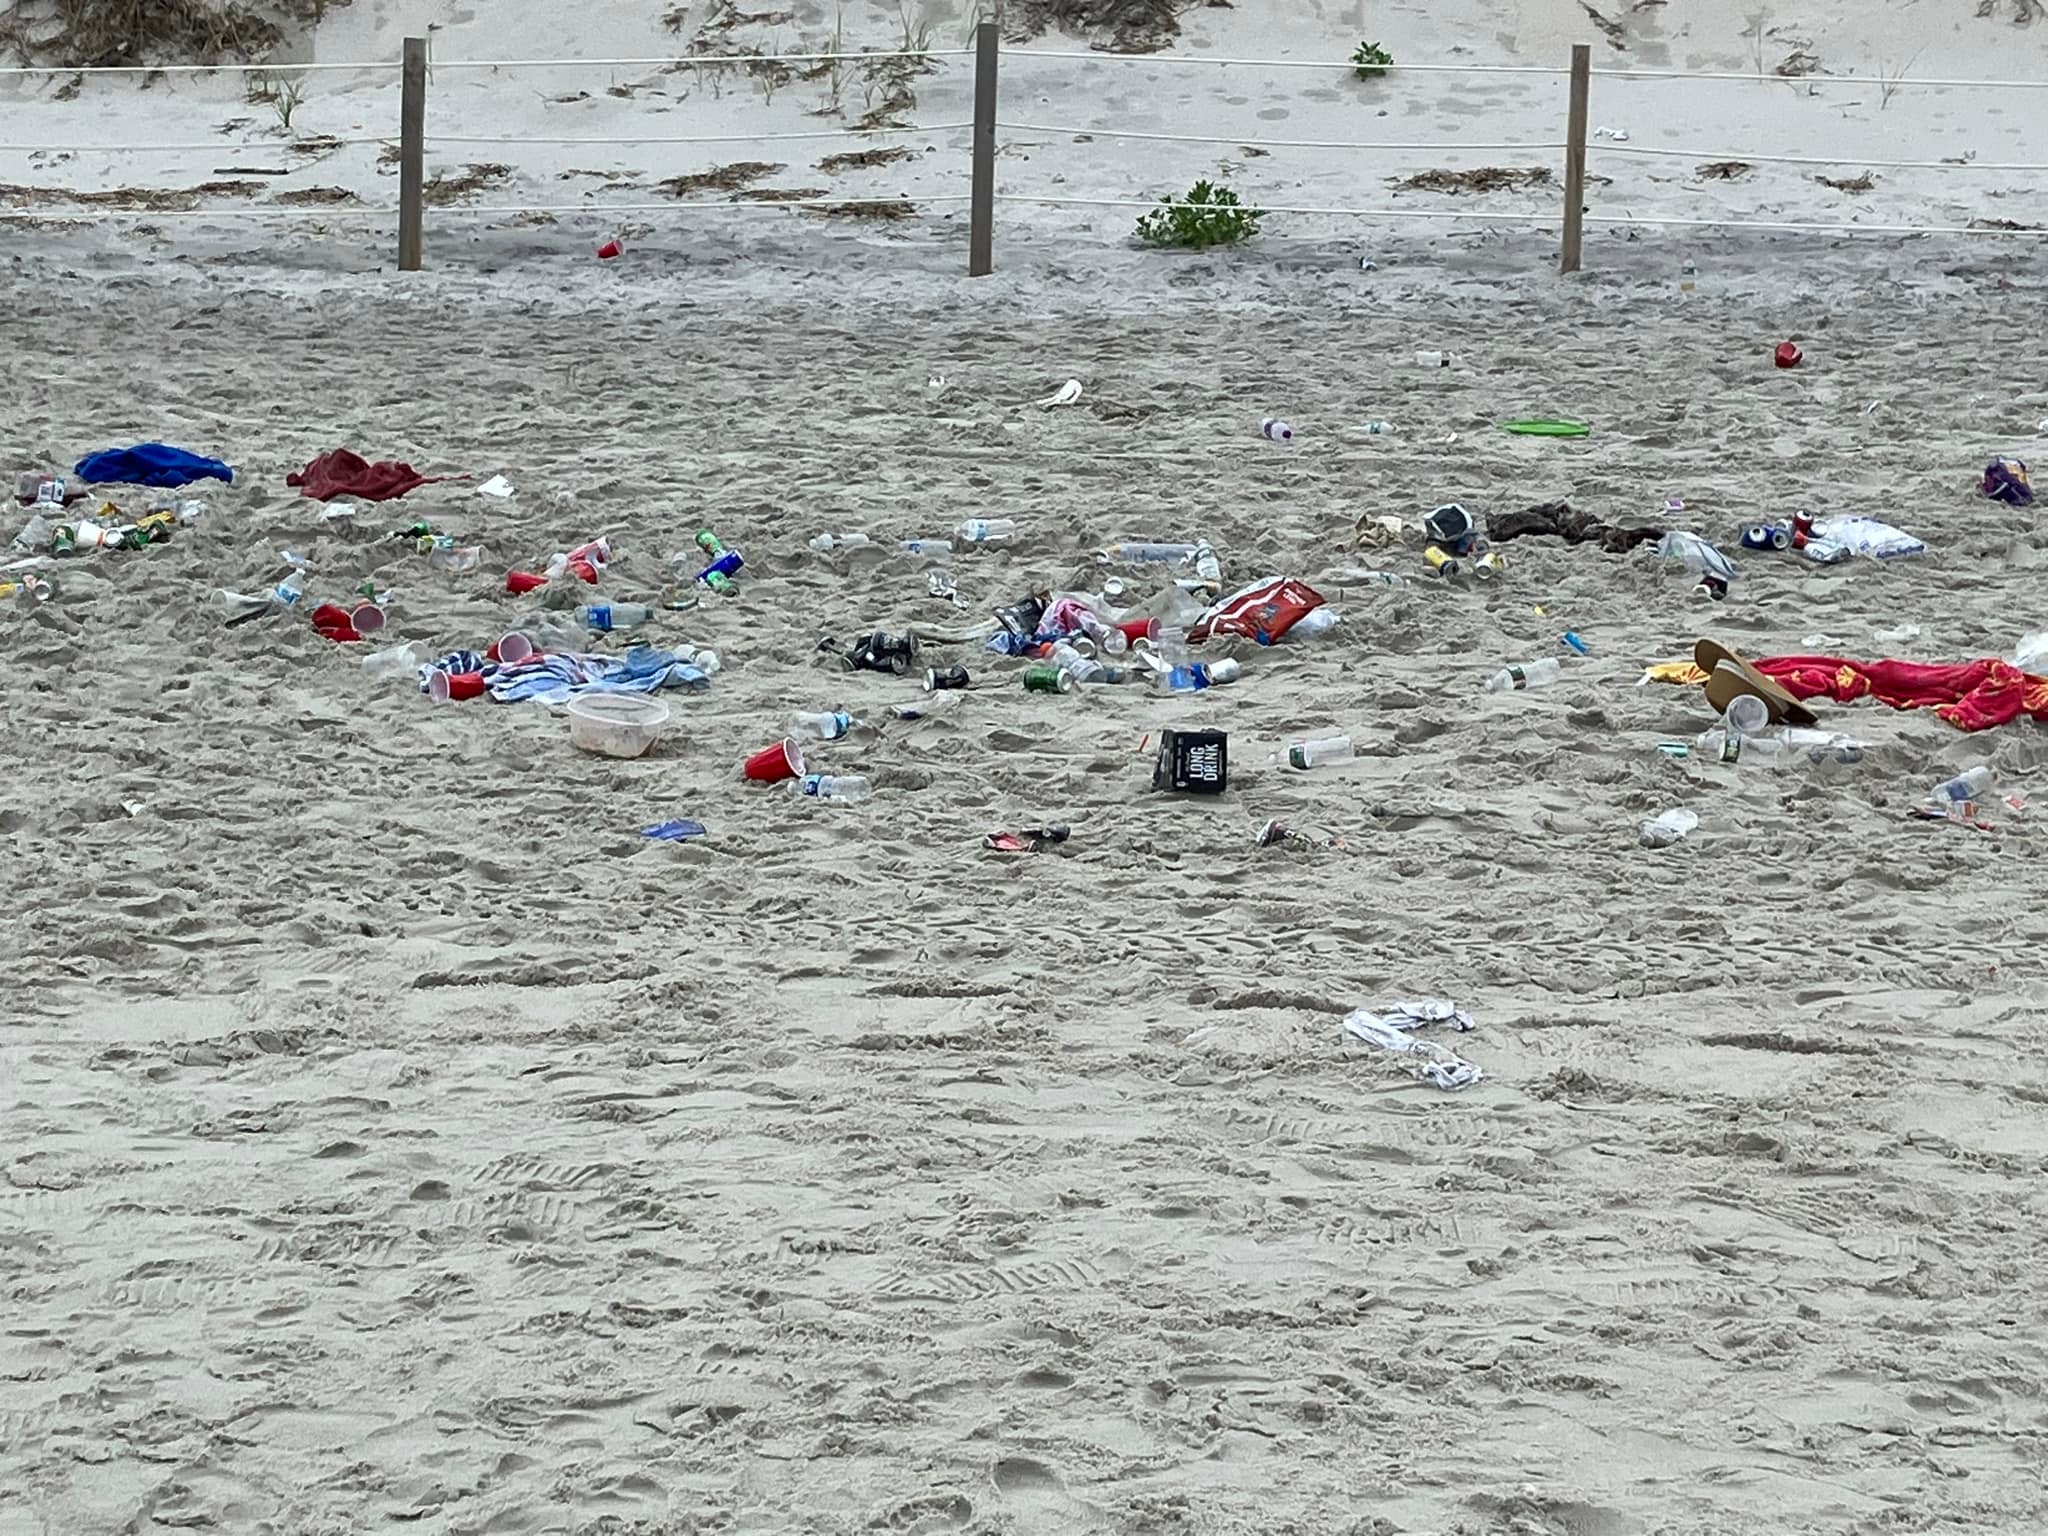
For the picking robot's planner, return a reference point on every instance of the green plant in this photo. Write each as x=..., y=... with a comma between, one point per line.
x=281, y=96
x=1208, y=215
x=1370, y=61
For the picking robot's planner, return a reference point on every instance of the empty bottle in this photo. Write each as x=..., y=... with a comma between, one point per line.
x=1143, y=554
x=1276, y=429
x=1526, y=674
x=1432, y=359
x=605, y=617
x=825, y=543
x=1378, y=428
x=1971, y=785
x=241, y=607
x=1199, y=675
x=1207, y=567
x=35, y=537
x=826, y=727
x=1356, y=576
x=930, y=548
x=1317, y=621
x=980, y=530
x=835, y=786
x=461, y=559
x=1318, y=750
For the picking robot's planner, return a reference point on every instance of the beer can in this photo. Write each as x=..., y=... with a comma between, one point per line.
x=1048, y=680
x=1489, y=565
x=1440, y=562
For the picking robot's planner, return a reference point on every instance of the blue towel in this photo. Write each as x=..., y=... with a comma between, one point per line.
x=154, y=464
x=555, y=678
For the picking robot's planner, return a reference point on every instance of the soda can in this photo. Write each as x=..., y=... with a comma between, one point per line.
x=1489, y=565
x=951, y=677
x=1048, y=680
x=1440, y=562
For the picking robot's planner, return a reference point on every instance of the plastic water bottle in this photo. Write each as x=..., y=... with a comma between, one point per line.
x=936, y=549
x=826, y=727
x=1276, y=430
x=1432, y=359
x=1378, y=428
x=35, y=537
x=1199, y=675
x=1526, y=674
x=605, y=617
x=835, y=786
x=980, y=530
x=825, y=543
x=1971, y=785
x=1143, y=554
x=1208, y=569
x=460, y=559
x=1317, y=621
x=1318, y=750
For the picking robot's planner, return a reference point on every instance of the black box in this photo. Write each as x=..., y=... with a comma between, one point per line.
x=1195, y=761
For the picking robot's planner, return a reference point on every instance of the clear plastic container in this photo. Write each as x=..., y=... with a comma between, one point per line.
x=616, y=724
x=1318, y=750
x=835, y=786
x=980, y=530
x=826, y=726
x=1526, y=674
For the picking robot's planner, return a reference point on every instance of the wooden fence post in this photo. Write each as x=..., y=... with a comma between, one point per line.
x=1575, y=157
x=982, y=206
x=412, y=153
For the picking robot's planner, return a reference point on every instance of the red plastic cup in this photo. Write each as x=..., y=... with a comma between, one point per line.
x=1139, y=629
x=366, y=618
x=524, y=581
x=582, y=569
x=511, y=649
x=772, y=765
x=610, y=248
x=333, y=622
x=447, y=687
x=1787, y=355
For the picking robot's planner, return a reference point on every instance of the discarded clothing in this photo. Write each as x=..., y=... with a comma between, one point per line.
x=1560, y=519
x=342, y=473
x=1392, y=1029
x=1263, y=611
x=556, y=678
x=1970, y=695
x=155, y=464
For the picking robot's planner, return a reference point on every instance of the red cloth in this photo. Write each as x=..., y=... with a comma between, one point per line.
x=1972, y=695
x=342, y=473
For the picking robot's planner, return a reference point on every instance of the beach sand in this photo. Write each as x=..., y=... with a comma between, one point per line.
x=394, y=1136
x=390, y=1136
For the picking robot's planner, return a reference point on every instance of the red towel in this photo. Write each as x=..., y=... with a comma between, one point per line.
x=1972, y=695
x=342, y=473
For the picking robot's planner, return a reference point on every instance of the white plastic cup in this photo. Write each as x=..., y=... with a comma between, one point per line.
x=1746, y=714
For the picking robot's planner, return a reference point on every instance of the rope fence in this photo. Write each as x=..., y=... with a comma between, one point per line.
x=415, y=68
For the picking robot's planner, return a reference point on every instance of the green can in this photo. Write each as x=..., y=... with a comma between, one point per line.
x=1048, y=680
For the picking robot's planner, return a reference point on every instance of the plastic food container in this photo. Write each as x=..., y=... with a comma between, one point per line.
x=616, y=724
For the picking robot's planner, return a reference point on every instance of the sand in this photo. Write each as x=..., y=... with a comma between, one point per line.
x=390, y=1136
x=393, y=1135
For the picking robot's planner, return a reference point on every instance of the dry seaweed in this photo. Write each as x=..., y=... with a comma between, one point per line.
x=1487, y=178
x=444, y=188
x=1726, y=170
x=87, y=33
x=1129, y=26
x=863, y=160
x=1861, y=183
x=727, y=178
x=884, y=210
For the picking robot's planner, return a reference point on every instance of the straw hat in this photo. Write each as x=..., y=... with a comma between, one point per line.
x=1728, y=675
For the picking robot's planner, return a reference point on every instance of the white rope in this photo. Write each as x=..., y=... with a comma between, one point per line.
x=695, y=138
x=218, y=147
x=1593, y=217
x=1181, y=58
x=76, y=215
x=1264, y=208
x=1195, y=138
x=910, y=205
x=1877, y=165
x=1883, y=84
x=697, y=60
x=97, y=215
x=193, y=69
